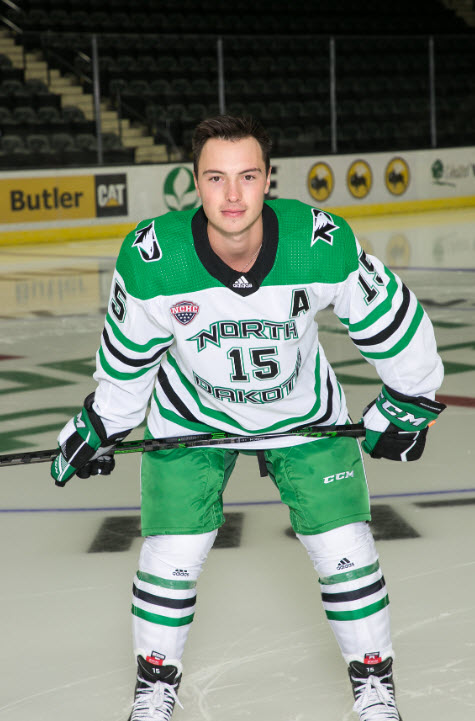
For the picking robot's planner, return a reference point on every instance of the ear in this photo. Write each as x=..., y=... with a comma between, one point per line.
x=268, y=180
x=196, y=184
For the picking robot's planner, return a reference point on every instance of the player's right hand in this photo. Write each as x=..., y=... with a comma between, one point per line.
x=85, y=448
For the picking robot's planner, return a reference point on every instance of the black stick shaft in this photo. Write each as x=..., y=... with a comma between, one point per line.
x=203, y=439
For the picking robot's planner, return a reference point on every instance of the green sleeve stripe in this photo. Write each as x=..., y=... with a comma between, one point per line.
x=118, y=374
x=223, y=417
x=137, y=347
x=350, y=575
x=404, y=341
x=358, y=613
x=379, y=311
x=162, y=620
x=165, y=582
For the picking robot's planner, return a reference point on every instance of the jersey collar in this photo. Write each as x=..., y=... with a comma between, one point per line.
x=240, y=283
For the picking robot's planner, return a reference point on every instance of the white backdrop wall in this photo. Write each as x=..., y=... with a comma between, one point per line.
x=91, y=202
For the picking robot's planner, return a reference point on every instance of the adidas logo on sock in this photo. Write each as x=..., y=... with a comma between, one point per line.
x=344, y=563
x=242, y=282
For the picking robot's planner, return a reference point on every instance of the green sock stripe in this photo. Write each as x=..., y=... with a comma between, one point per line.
x=359, y=613
x=164, y=582
x=162, y=620
x=350, y=575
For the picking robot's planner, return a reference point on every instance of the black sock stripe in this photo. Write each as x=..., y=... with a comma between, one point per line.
x=354, y=595
x=162, y=600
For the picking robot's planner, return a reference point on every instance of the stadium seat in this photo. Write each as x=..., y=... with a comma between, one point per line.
x=62, y=141
x=38, y=143
x=25, y=115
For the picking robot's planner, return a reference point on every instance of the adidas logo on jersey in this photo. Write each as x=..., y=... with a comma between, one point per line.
x=180, y=572
x=242, y=282
x=344, y=563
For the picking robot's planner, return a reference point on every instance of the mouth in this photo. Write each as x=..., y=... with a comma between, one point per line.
x=233, y=212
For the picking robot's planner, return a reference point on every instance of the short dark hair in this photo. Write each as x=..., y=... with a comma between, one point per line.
x=228, y=127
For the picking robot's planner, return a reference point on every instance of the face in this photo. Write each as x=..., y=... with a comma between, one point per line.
x=231, y=183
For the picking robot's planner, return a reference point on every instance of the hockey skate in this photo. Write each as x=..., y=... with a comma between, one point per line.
x=155, y=691
x=373, y=689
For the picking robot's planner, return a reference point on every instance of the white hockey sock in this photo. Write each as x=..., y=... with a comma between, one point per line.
x=353, y=590
x=164, y=593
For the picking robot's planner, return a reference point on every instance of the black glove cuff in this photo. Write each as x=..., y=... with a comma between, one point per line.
x=421, y=401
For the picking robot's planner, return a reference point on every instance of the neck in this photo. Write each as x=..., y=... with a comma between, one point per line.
x=237, y=251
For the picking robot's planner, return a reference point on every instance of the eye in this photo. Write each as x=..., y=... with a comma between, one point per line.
x=215, y=178
x=249, y=177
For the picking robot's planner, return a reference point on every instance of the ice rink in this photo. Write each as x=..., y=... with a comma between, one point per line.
x=260, y=647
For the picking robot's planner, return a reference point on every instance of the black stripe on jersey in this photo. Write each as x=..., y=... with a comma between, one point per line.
x=175, y=399
x=162, y=600
x=329, y=410
x=135, y=362
x=392, y=327
x=354, y=595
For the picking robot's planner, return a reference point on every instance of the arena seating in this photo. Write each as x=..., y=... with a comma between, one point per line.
x=158, y=65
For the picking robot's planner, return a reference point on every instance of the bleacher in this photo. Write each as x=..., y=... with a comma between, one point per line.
x=158, y=73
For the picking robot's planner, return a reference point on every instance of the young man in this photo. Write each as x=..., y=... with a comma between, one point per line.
x=212, y=320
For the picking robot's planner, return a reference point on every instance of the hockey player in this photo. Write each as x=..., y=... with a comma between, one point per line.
x=211, y=323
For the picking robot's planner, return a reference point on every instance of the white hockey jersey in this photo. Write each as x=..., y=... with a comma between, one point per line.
x=209, y=348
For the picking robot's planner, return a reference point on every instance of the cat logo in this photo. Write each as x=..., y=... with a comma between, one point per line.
x=397, y=176
x=359, y=179
x=320, y=182
x=111, y=195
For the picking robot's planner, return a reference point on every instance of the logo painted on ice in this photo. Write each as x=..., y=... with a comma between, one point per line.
x=179, y=190
x=185, y=311
x=147, y=243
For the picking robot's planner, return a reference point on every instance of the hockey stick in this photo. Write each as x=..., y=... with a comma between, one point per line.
x=217, y=438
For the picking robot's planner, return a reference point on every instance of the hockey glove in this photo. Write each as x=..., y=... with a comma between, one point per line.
x=396, y=425
x=85, y=449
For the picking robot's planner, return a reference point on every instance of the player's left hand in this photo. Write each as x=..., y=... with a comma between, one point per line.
x=396, y=425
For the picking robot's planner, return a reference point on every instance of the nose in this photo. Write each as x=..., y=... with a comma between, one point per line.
x=233, y=192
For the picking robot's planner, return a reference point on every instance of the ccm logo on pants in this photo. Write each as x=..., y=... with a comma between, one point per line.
x=339, y=476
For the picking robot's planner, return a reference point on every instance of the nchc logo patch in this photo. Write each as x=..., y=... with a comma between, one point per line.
x=111, y=195
x=184, y=311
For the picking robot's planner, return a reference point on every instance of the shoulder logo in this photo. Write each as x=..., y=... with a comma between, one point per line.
x=323, y=227
x=184, y=311
x=147, y=243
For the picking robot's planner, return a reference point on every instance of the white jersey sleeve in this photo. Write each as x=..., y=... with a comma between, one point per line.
x=390, y=328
